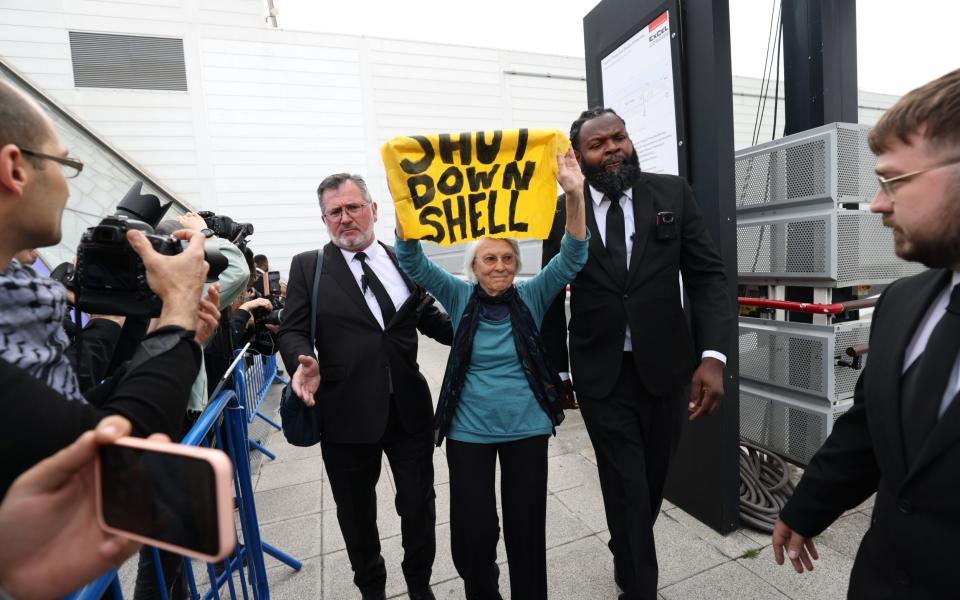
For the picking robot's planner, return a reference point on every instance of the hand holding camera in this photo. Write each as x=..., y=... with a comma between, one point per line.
x=176, y=279
x=192, y=221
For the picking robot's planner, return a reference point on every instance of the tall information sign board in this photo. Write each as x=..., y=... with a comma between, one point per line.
x=638, y=83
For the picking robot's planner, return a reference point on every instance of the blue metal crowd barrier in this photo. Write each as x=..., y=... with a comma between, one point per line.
x=252, y=377
x=227, y=416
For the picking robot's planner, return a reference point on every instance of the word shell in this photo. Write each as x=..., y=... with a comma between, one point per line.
x=456, y=187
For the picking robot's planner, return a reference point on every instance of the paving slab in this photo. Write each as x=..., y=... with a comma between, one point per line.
x=288, y=502
x=728, y=580
x=586, y=502
x=828, y=580
x=569, y=471
x=290, y=472
x=732, y=545
x=300, y=538
x=287, y=584
x=680, y=553
x=562, y=525
x=286, y=452
x=579, y=570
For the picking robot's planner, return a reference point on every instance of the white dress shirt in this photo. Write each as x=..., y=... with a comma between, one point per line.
x=626, y=204
x=386, y=271
x=922, y=336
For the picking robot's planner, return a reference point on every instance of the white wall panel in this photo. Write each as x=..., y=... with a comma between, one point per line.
x=268, y=113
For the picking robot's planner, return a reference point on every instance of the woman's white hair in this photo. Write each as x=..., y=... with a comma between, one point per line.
x=470, y=253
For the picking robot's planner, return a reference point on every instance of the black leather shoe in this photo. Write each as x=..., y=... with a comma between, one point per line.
x=380, y=595
x=424, y=594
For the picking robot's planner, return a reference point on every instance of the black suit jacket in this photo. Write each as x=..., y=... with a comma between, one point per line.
x=908, y=550
x=664, y=349
x=360, y=363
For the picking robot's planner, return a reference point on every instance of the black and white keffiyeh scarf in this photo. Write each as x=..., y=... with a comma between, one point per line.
x=31, y=328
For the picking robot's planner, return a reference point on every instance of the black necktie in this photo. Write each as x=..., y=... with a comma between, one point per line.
x=616, y=238
x=370, y=280
x=923, y=394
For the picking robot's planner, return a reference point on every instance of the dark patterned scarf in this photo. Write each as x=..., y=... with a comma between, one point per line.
x=544, y=381
x=31, y=328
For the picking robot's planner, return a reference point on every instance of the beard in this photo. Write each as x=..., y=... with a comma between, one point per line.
x=613, y=183
x=936, y=246
x=359, y=241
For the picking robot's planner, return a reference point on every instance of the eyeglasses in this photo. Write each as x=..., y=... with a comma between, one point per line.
x=886, y=184
x=351, y=209
x=71, y=167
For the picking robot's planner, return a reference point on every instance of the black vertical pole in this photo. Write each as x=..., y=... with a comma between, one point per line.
x=819, y=63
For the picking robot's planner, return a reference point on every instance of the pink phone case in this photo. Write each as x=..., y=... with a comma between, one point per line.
x=222, y=473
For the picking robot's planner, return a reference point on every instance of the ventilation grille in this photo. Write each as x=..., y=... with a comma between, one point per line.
x=103, y=60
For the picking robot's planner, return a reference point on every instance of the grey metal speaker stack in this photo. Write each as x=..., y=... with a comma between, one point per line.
x=804, y=233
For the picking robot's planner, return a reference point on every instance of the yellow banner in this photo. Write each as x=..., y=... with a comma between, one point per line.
x=450, y=188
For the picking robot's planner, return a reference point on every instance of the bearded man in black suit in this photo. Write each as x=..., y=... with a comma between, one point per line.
x=366, y=382
x=631, y=352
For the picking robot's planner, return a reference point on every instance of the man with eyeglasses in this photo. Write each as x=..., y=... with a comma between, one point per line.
x=901, y=440
x=365, y=380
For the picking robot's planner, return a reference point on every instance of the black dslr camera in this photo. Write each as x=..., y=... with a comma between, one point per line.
x=226, y=228
x=110, y=278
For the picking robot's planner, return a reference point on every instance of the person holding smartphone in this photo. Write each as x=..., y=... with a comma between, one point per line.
x=52, y=543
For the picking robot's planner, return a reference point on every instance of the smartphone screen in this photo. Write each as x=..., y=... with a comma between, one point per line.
x=161, y=496
x=274, y=279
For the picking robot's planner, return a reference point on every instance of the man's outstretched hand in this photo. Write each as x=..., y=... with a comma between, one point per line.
x=306, y=381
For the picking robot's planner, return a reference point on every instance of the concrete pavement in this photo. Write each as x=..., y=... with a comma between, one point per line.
x=297, y=514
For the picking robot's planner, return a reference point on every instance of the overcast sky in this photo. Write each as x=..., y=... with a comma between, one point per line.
x=900, y=44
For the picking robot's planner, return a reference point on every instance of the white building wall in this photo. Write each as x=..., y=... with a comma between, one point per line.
x=268, y=113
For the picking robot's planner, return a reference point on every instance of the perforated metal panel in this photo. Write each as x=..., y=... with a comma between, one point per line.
x=824, y=247
x=865, y=251
x=801, y=357
x=830, y=164
x=789, y=426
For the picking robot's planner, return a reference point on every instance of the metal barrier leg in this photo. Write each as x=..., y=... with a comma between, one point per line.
x=191, y=580
x=237, y=443
x=269, y=421
x=158, y=572
x=282, y=556
x=256, y=445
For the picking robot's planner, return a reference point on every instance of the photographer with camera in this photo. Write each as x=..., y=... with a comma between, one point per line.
x=152, y=390
x=222, y=234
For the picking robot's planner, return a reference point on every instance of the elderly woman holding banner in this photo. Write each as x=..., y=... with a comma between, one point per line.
x=500, y=398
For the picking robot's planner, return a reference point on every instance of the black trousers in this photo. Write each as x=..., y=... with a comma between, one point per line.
x=634, y=435
x=353, y=470
x=474, y=527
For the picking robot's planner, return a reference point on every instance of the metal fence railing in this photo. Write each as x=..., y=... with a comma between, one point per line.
x=223, y=425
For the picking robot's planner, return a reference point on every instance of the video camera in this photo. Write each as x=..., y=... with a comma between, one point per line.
x=110, y=277
x=226, y=228
x=268, y=316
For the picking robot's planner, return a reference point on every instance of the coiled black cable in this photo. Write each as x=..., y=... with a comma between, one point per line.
x=765, y=487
